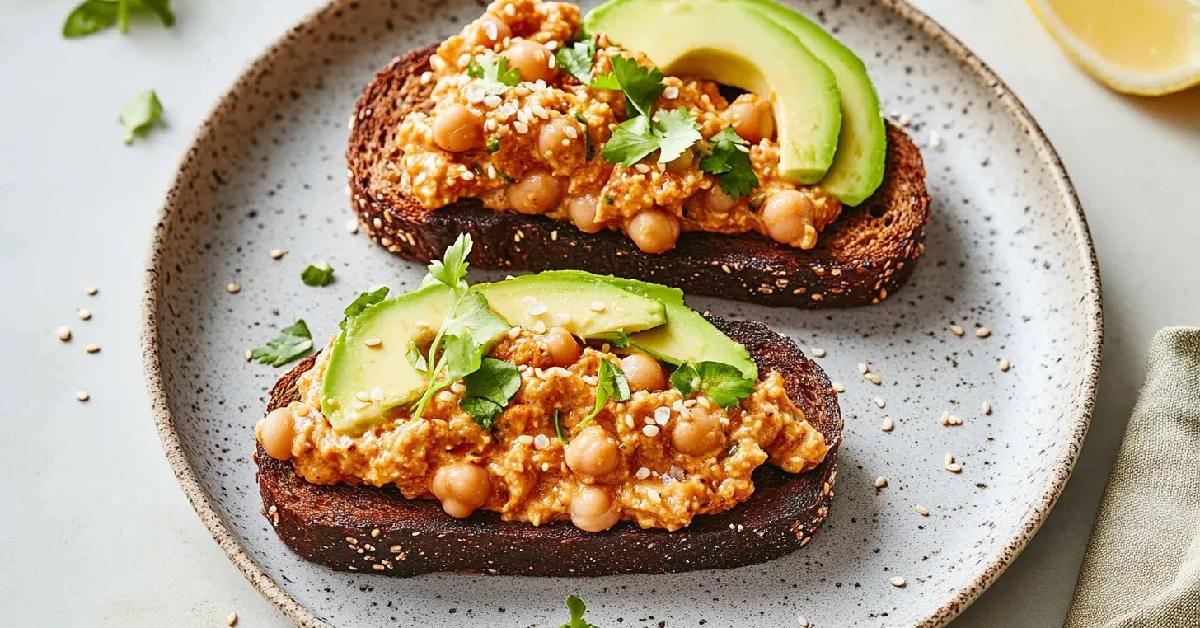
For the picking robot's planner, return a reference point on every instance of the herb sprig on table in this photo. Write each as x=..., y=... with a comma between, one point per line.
x=92, y=16
x=292, y=343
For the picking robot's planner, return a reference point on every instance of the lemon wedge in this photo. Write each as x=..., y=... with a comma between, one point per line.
x=1146, y=47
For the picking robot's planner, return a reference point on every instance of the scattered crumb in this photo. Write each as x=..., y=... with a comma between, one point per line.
x=85, y=314
x=888, y=424
x=1004, y=365
x=232, y=619
x=838, y=387
x=863, y=368
x=233, y=287
x=983, y=332
x=904, y=120
x=92, y=348
x=935, y=140
x=881, y=481
x=952, y=466
x=82, y=395
x=352, y=225
x=897, y=582
x=277, y=253
x=987, y=407
x=818, y=352
x=874, y=379
x=64, y=334
x=802, y=621
x=923, y=511
x=879, y=402
x=92, y=291
x=249, y=355
x=956, y=330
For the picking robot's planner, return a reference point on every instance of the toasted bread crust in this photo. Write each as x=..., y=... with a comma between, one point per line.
x=401, y=537
x=865, y=255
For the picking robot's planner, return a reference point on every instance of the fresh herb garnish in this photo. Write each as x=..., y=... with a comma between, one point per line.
x=670, y=133
x=610, y=384
x=618, y=339
x=577, y=609
x=493, y=144
x=317, y=275
x=414, y=357
x=724, y=384
x=578, y=59
x=558, y=428
x=140, y=114
x=608, y=200
x=363, y=301
x=493, y=73
x=642, y=86
x=93, y=16
x=469, y=330
x=588, y=150
x=293, y=341
x=489, y=390
x=731, y=163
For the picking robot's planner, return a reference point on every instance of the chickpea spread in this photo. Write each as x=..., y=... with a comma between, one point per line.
x=657, y=459
x=535, y=147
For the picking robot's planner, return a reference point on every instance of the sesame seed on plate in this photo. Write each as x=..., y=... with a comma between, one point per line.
x=904, y=120
x=879, y=401
x=802, y=621
x=956, y=330
x=818, y=352
x=862, y=368
x=91, y=291
x=838, y=387
x=987, y=407
x=249, y=355
x=897, y=582
x=650, y=430
x=923, y=511
x=881, y=481
x=84, y=314
x=954, y=468
x=1004, y=365
x=92, y=348
x=888, y=424
x=945, y=418
x=277, y=253
x=64, y=334
x=352, y=225
x=935, y=140
x=983, y=332
x=232, y=619
x=233, y=287
x=82, y=395
x=874, y=379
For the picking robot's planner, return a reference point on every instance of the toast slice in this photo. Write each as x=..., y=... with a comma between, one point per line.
x=865, y=255
x=377, y=530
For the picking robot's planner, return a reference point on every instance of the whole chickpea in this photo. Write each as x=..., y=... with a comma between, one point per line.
x=537, y=193
x=457, y=129
x=461, y=487
x=699, y=434
x=717, y=200
x=582, y=210
x=643, y=372
x=531, y=59
x=653, y=230
x=592, y=509
x=787, y=216
x=562, y=346
x=553, y=134
x=275, y=432
x=487, y=31
x=681, y=164
x=753, y=120
x=593, y=452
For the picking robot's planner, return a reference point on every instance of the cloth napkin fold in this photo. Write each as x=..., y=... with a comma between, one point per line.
x=1142, y=567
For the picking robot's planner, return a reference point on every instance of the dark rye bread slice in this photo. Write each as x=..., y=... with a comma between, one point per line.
x=370, y=529
x=865, y=255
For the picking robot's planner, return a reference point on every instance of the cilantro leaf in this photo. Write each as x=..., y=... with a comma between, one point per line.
x=464, y=338
x=608, y=80
x=631, y=141
x=610, y=384
x=676, y=131
x=93, y=16
x=493, y=144
x=473, y=317
x=731, y=163
x=317, y=275
x=558, y=428
x=414, y=357
x=576, y=607
x=493, y=73
x=618, y=339
x=140, y=114
x=363, y=301
x=161, y=8
x=293, y=341
x=496, y=382
x=578, y=59
x=642, y=86
x=451, y=269
x=724, y=384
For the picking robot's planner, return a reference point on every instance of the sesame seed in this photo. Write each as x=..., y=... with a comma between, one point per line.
x=92, y=348
x=85, y=314
x=540, y=112
x=904, y=119
x=64, y=334
x=525, y=439
x=362, y=395
x=662, y=415
x=82, y=395
x=539, y=327
x=277, y=253
x=862, y=368
x=888, y=424
x=983, y=332
x=545, y=467
x=879, y=401
x=352, y=225
x=949, y=458
x=514, y=332
x=520, y=127
x=541, y=441
x=671, y=93
x=987, y=407
x=1004, y=365
x=232, y=619
x=881, y=481
x=897, y=582
x=642, y=473
x=956, y=330
x=838, y=387
x=464, y=59
x=91, y=291
x=642, y=168
x=935, y=140
x=954, y=420
x=874, y=379
x=426, y=77
x=923, y=511
x=818, y=353
x=491, y=101
x=249, y=355
x=650, y=430
x=467, y=176
x=233, y=288
x=954, y=468
x=373, y=342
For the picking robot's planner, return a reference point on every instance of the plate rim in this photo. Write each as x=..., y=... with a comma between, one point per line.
x=950, y=606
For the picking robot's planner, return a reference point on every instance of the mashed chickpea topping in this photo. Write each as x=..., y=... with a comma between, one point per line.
x=536, y=147
x=656, y=459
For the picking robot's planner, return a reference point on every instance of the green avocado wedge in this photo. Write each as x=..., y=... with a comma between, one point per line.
x=731, y=42
x=858, y=166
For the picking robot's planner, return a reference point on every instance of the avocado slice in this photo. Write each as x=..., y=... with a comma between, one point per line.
x=687, y=336
x=731, y=43
x=355, y=367
x=857, y=168
x=583, y=306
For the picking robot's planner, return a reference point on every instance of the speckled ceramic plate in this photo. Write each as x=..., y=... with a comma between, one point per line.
x=1007, y=249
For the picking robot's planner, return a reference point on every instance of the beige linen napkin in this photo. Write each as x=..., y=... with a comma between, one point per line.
x=1142, y=567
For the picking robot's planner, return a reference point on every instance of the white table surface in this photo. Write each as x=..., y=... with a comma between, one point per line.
x=94, y=529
